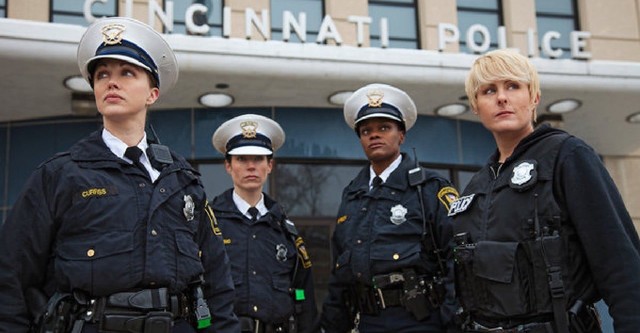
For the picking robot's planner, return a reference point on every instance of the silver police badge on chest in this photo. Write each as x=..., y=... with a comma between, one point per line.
x=524, y=175
x=189, y=207
x=398, y=213
x=281, y=252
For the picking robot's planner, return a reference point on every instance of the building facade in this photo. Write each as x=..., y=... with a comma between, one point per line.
x=297, y=60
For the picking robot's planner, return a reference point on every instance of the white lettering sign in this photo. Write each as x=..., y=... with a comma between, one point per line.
x=478, y=36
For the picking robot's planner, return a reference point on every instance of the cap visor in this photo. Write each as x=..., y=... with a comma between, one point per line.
x=119, y=57
x=250, y=150
x=378, y=115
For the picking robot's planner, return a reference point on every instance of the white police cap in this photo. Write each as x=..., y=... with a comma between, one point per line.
x=249, y=134
x=379, y=100
x=132, y=41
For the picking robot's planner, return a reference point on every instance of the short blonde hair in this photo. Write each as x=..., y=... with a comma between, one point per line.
x=498, y=65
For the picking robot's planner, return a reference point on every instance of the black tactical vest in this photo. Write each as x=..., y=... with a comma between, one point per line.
x=511, y=232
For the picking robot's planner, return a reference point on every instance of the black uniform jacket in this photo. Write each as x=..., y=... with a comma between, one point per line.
x=89, y=221
x=268, y=261
x=375, y=235
x=572, y=194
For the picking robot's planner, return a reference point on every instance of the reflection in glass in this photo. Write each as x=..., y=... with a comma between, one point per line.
x=486, y=13
x=401, y=18
x=71, y=11
x=312, y=189
x=314, y=13
x=212, y=18
x=560, y=16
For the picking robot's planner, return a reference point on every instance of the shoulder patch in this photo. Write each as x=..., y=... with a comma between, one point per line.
x=447, y=195
x=342, y=219
x=212, y=219
x=302, y=253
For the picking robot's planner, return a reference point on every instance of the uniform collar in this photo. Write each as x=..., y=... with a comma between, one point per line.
x=118, y=147
x=244, y=206
x=387, y=172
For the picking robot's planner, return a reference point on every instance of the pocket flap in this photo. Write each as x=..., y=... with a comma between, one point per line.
x=90, y=248
x=495, y=261
x=395, y=252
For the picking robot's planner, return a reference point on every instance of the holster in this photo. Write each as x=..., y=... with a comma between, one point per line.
x=584, y=318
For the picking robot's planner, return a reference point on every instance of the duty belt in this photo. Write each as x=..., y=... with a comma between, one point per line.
x=415, y=293
x=524, y=328
x=253, y=325
x=131, y=311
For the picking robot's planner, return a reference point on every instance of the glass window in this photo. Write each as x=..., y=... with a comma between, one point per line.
x=486, y=13
x=212, y=18
x=560, y=16
x=312, y=189
x=313, y=10
x=401, y=20
x=3, y=8
x=71, y=11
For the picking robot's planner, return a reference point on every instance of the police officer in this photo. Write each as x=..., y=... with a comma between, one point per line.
x=542, y=231
x=116, y=234
x=270, y=266
x=390, y=247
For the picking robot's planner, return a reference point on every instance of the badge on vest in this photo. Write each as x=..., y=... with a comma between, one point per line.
x=461, y=204
x=398, y=213
x=524, y=176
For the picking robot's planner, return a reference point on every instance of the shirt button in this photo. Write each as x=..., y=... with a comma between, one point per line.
x=337, y=265
x=359, y=274
x=254, y=236
x=396, y=256
x=152, y=283
x=359, y=241
x=154, y=232
x=142, y=184
x=91, y=253
x=364, y=209
x=254, y=272
x=255, y=308
x=162, y=190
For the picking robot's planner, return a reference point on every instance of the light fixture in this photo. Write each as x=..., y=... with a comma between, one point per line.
x=83, y=104
x=634, y=118
x=564, y=106
x=215, y=100
x=77, y=84
x=338, y=98
x=452, y=110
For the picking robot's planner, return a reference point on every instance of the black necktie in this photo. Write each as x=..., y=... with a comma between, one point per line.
x=253, y=211
x=377, y=181
x=133, y=153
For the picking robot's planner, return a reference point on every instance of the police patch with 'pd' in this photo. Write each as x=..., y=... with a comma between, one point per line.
x=461, y=205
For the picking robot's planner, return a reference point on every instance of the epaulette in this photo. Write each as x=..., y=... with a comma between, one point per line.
x=290, y=227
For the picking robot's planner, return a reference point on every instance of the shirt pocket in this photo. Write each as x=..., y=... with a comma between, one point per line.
x=99, y=265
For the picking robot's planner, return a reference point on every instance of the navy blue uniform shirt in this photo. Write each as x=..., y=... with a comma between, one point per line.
x=264, y=257
x=372, y=238
x=87, y=220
